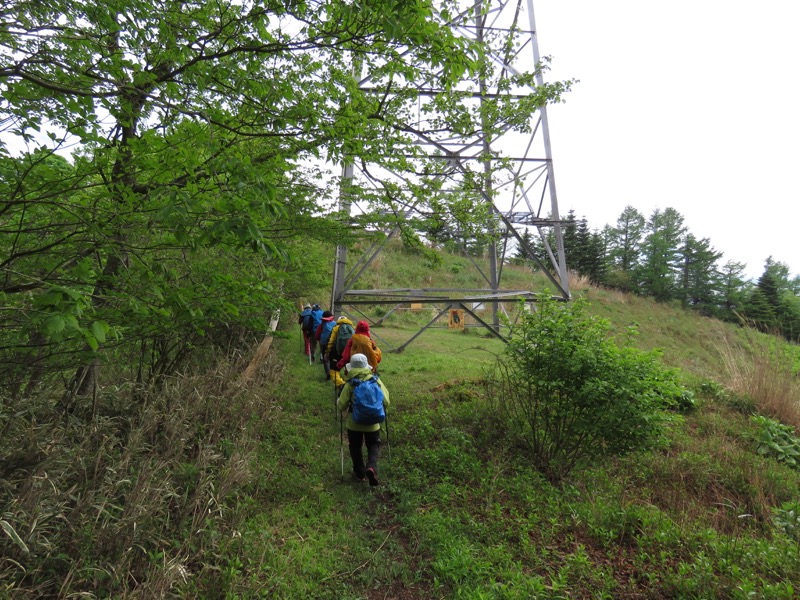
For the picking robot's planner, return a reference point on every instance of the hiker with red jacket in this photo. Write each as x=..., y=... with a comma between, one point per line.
x=364, y=415
x=361, y=343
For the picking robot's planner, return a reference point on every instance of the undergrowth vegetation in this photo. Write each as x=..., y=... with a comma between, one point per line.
x=136, y=501
x=203, y=487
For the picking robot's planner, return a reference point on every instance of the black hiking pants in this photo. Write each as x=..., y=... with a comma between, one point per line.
x=356, y=439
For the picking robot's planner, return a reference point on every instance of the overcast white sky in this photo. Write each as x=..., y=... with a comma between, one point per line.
x=693, y=104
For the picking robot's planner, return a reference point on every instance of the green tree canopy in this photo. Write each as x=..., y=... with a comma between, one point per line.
x=192, y=124
x=194, y=133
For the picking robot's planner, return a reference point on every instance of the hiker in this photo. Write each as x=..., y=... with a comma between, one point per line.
x=322, y=335
x=340, y=335
x=310, y=324
x=365, y=403
x=305, y=322
x=361, y=343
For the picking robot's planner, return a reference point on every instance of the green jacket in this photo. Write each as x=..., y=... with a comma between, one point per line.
x=343, y=403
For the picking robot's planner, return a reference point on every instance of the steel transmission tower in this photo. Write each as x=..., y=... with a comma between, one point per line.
x=505, y=169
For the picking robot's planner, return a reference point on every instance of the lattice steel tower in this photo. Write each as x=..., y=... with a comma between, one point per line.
x=506, y=169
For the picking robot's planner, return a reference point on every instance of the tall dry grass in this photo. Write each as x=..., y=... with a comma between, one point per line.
x=763, y=369
x=579, y=283
x=139, y=501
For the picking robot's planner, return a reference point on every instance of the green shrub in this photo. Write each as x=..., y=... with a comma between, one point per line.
x=787, y=519
x=565, y=391
x=777, y=440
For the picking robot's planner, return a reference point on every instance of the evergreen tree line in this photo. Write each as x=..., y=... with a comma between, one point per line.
x=660, y=258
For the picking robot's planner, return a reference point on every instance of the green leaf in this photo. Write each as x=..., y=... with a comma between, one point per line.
x=11, y=532
x=91, y=341
x=99, y=329
x=54, y=325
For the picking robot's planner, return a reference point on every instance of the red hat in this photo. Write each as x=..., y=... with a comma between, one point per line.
x=362, y=327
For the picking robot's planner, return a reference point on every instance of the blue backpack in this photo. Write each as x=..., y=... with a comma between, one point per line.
x=325, y=336
x=367, y=401
x=316, y=318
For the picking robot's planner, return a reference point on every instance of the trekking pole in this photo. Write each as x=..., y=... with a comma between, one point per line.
x=388, y=445
x=341, y=441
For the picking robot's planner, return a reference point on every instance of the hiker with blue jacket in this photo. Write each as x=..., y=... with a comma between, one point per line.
x=304, y=321
x=310, y=325
x=364, y=398
x=322, y=335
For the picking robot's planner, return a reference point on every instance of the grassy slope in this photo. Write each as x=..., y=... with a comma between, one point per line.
x=458, y=517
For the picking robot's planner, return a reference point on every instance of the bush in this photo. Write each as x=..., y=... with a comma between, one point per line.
x=565, y=391
x=777, y=440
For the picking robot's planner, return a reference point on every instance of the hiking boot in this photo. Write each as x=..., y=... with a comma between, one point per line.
x=372, y=476
x=358, y=477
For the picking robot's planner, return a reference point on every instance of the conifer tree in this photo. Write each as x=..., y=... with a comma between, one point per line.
x=734, y=290
x=569, y=233
x=624, y=249
x=625, y=239
x=584, y=249
x=527, y=250
x=700, y=279
x=598, y=268
x=773, y=304
x=771, y=282
x=657, y=275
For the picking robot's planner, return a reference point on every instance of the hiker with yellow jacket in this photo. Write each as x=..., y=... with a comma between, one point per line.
x=336, y=344
x=363, y=428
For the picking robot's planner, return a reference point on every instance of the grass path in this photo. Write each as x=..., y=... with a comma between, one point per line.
x=322, y=535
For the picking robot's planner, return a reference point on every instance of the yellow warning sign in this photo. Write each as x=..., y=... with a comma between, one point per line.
x=456, y=318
